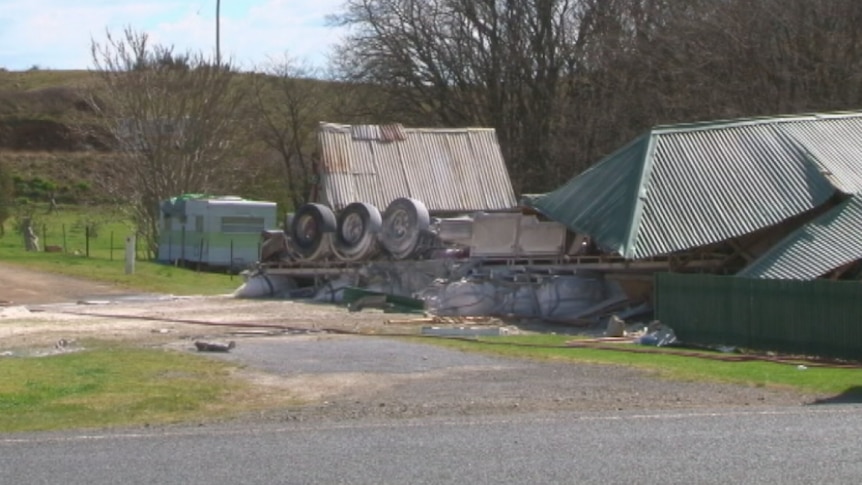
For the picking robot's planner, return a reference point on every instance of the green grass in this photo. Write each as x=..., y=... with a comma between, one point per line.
x=44, y=77
x=662, y=362
x=67, y=228
x=115, y=386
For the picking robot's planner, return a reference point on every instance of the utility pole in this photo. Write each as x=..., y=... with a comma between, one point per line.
x=218, y=40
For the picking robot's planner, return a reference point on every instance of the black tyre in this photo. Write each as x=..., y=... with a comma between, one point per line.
x=405, y=225
x=310, y=230
x=356, y=236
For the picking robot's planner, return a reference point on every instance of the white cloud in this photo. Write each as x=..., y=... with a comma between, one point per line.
x=56, y=33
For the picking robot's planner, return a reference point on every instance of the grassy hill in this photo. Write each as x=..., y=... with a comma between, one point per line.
x=40, y=144
x=37, y=141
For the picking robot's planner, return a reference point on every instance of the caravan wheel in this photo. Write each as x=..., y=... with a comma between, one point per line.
x=405, y=223
x=356, y=236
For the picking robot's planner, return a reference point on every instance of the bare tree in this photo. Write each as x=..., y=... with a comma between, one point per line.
x=173, y=118
x=469, y=62
x=288, y=104
x=565, y=82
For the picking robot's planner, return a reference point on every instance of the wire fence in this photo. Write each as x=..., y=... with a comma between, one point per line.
x=88, y=241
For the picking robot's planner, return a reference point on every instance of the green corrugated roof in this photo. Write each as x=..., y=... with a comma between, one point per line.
x=602, y=200
x=684, y=186
x=826, y=243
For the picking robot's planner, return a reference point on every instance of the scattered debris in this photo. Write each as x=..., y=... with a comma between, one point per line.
x=264, y=333
x=63, y=345
x=465, y=331
x=369, y=301
x=616, y=327
x=523, y=294
x=359, y=298
x=14, y=311
x=264, y=285
x=93, y=302
x=214, y=346
x=441, y=320
x=657, y=335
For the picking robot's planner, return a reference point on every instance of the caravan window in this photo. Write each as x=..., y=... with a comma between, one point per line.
x=242, y=224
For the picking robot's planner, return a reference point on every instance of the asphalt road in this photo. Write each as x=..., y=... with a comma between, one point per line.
x=815, y=444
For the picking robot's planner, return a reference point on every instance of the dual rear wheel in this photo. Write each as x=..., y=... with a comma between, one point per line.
x=360, y=230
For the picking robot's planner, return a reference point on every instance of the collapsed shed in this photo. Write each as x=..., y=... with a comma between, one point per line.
x=728, y=188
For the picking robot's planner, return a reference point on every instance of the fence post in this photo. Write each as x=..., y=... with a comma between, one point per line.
x=230, y=267
x=44, y=236
x=112, y=246
x=131, y=252
x=87, y=240
x=65, y=249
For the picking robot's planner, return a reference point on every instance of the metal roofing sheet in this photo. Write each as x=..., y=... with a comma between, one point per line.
x=712, y=185
x=828, y=242
x=450, y=170
x=601, y=201
x=692, y=185
x=835, y=146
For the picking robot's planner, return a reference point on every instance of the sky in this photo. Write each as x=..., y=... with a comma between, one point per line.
x=56, y=34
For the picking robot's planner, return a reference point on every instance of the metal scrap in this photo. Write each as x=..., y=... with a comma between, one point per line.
x=214, y=346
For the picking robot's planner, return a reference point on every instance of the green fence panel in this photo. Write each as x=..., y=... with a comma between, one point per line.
x=819, y=317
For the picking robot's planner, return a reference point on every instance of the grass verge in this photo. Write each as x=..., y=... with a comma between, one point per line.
x=815, y=380
x=92, y=242
x=112, y=386
x=148, y=276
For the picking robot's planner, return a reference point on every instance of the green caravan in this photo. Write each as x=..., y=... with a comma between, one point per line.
x=213, y=231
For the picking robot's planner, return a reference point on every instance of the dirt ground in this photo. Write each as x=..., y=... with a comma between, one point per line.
x=21, y=287
x=340, y=363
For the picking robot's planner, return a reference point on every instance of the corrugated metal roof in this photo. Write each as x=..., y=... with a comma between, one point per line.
x=450, y=170
x=826, y=243
x=602, y=200
x=684, y=186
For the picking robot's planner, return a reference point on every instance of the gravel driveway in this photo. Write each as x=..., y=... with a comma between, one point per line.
x=359, y=377
x=349, y=376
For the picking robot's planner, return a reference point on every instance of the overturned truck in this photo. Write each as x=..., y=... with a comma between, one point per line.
x=432, y=213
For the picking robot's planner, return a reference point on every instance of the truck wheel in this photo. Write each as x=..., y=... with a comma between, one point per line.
x=405, y=223
x=310, y=230
x=356, y=236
